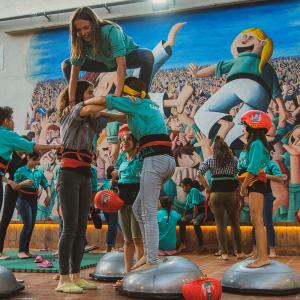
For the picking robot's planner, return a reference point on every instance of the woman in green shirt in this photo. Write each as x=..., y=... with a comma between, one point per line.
x=102, y=46
x=253, y=177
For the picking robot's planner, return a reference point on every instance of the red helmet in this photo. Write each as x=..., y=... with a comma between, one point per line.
x=122, y=130
x=257, y=119
x=108, y=201
x=202, y=288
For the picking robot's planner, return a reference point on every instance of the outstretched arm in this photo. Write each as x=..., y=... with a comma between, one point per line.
x=90, y=109
x=206, y=72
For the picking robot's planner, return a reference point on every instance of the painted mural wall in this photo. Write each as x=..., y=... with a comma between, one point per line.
x=208, y=37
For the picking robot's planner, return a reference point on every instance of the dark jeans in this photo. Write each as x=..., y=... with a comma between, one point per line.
x=139, y=58
x=61, y=227
x=27, y=210
x=182, y=228
x=10, y=200
x=267, y=216
x=112, y=222
x=1, y=192
x=74, y=192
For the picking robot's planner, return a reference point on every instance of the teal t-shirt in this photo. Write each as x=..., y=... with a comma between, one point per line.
x=130, y=170
x=248, y=63
x=120, y=159
x=167, y=229
x=113, y=42
x=144, y=116
x=255, y=159
x=10, y=141
x=94, y=179
x=194, y=197
x=105, y=185
x=36, y=175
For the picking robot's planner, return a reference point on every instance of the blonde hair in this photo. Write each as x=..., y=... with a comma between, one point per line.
x=87, y=14
x=267, y=48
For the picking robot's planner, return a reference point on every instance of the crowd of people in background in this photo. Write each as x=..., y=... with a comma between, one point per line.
x=188, y=144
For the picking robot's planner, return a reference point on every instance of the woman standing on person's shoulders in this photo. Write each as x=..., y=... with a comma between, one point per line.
x=102, y=46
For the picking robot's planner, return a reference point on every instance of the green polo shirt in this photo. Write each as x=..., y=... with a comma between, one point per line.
x=255, y=159
x=130, y=170
x=113, y=42
x=248, y=63
x=10, y=141
x=36, y=175
x=144, y=116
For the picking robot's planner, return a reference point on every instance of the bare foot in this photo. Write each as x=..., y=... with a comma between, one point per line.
x=118, y=284
x=172, y=34
x=223, y=257
x=219, y=253
x=258, y=264
x=146, y=267
x=139, y=263
x=272, y=253
x=253, y=255
x=4, y=256
x=182, y=247
x=23, y=255
x=56, y=277
x=240, y=255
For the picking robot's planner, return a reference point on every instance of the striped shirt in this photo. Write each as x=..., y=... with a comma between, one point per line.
x=230, y=169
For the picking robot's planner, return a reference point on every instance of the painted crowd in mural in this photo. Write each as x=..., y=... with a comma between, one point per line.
x=196, y=109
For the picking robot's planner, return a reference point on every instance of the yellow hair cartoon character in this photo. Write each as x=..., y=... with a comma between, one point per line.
x=251, y=82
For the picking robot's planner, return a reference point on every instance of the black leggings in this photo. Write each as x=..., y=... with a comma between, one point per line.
x=74, y=192
x=1, y=192
x=10, y=200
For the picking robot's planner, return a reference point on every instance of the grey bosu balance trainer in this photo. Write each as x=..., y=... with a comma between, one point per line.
x=8, y=283
x=161, y=282
x=110, y=267
x=274, y=279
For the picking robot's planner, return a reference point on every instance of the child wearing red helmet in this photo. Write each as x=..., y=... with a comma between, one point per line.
x=251, y=173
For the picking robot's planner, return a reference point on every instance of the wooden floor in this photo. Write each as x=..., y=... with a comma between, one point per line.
x=41, y=286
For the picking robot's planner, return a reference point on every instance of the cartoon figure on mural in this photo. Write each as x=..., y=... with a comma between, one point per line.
x=251, y=80
x=198, y=104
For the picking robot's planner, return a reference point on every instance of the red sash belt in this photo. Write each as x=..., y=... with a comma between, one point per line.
x=156, y=143
x=75, y=159
x=73, y=163
x=80, y=155
x=3, y=167
x=33, y=193
x=260, y=177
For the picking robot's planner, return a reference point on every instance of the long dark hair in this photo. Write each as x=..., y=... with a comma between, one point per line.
x=87, y=14
x=221, y=152
x=192, y=183
x=166, y=203
x=63, y=98
x=256, y=134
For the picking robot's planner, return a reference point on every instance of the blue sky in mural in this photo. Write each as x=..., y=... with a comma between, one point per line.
x=205, y=39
